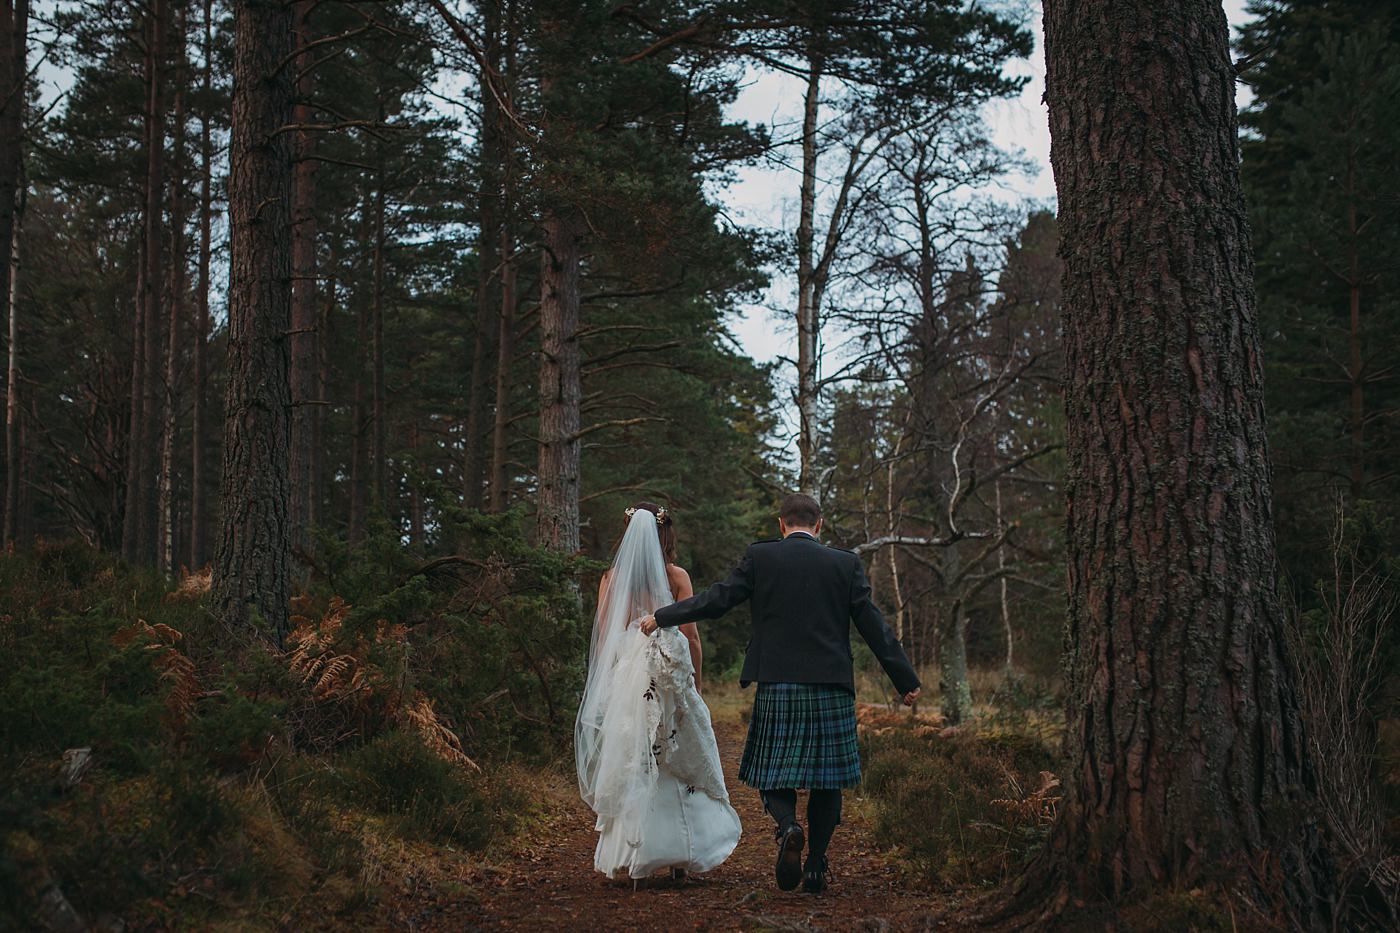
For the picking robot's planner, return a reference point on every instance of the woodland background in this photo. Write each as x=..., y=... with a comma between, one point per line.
x=514, y=283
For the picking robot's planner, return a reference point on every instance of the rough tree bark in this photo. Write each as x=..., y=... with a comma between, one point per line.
x=304, y=305
x=252, y=563
x=561, y=392
x=1187, y=761
x=201, y=337
x=14, y=33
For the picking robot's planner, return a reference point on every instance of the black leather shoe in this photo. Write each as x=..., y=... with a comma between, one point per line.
x=788, y=871
x=815, y=876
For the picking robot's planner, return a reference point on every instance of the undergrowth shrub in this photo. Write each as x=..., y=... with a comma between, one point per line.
x=966, y=807
x=229, y=780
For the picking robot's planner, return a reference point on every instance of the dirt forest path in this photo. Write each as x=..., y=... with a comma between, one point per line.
x=551, y=884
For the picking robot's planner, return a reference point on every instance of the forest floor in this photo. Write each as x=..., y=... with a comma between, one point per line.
x=548, y=881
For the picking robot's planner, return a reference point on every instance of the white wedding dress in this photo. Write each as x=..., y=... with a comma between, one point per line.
x=647, y=760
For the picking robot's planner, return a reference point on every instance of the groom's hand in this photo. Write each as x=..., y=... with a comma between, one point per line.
x=911, y=696
x=648, y=625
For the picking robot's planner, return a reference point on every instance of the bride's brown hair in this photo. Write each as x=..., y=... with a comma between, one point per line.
x=665, y=528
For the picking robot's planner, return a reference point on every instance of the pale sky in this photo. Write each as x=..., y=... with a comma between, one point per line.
x=766, y=196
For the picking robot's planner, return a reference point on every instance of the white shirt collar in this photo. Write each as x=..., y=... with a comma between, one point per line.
x=805, y=533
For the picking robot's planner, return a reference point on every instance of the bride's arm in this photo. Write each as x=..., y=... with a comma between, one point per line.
x=602, y=600
x=681, y=588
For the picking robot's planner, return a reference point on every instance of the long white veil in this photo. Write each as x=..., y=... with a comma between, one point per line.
x=612, y=739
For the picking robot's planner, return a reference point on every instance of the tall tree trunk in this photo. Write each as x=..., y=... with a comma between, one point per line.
x=561, y=392
x=201, y=338
x=488, y=259
x=808, y=327
x=323, y=379
x=16, y=450
x=505, y=321
x=950, y=645
x=252, y=564
x=305, y=308
x=1009, y=667
x=1356, y=371
x=165, y=507
x=155, y=281
x=955, y=691
x=505, y=358
x=359, y=410
x=136, y=537
x=14, y=68
x=1187, y=760
x=379, y=455
x=135, y=436
x=415, y=493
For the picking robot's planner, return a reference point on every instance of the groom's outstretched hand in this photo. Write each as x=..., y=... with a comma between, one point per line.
x=649, y=626
x=911, y=696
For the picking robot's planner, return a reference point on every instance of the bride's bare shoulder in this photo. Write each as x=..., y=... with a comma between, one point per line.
x=679, y=581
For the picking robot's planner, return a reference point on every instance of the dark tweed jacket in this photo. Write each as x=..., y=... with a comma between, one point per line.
x=805, y=597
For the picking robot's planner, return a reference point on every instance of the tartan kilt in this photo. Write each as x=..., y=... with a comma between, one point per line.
x=801, y=736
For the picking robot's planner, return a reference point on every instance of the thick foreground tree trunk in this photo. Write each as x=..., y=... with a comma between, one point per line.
x=252, y=566
x=1187, y=761
x=561, y=393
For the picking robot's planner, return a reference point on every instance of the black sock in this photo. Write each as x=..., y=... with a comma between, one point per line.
x=781, y=804
x=823, y=816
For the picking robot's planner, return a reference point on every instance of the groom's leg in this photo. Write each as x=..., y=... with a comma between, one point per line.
x=823, y=816
x=781, y=805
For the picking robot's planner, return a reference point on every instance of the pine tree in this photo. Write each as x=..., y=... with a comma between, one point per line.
x=252, y=565
x=1187, y=763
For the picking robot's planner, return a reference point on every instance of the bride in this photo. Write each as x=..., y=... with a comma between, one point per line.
x=647, y=760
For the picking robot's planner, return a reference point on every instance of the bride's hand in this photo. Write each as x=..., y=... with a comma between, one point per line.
x=648, y=624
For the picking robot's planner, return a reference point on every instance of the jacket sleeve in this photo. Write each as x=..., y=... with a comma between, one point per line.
x=715, y=601
x=878, y=635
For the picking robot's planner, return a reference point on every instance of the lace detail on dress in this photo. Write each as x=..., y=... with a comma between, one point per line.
x=679, y=721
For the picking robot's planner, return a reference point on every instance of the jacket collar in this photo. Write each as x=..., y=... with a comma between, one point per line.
x=802, y=534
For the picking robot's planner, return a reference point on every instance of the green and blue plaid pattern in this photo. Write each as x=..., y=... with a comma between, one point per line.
x=801, y=736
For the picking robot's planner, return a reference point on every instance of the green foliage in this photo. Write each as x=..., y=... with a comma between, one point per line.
x=966, y=808
x=223, y=780
x=493, y=631
x=1318, y=171
x=398, y=775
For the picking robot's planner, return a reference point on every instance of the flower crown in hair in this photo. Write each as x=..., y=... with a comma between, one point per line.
x=660, y=514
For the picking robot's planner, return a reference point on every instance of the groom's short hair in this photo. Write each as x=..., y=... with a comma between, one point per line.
x=800, y=510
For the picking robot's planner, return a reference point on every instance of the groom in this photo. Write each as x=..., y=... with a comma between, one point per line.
x=803, y=731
